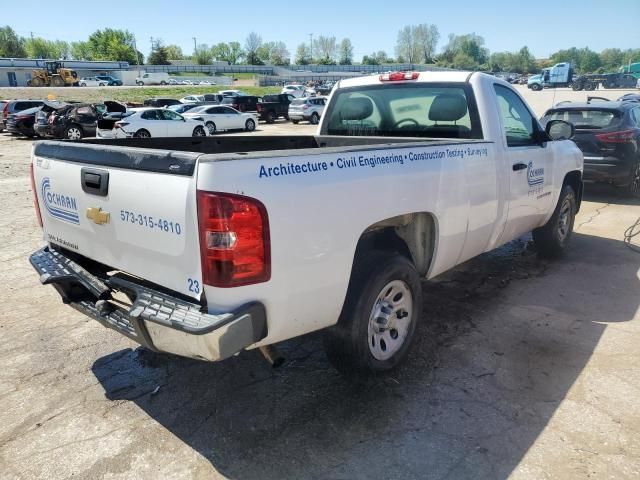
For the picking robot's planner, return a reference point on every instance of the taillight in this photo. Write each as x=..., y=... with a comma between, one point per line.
x=305, y=106
x=234, y=240
x=397, y=76
x=258, y=107
x=120, y=125
x=35, y=195
x=5, y=110
x=624, y=136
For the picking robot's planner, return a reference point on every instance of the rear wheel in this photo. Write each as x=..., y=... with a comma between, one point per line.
x=211, y=127
x=73, y=132
x=633, y=189
x=589, y=86
x=379, y=317
x=552, y=239
x=57, y=81
x=295, y=122
x=315, y=118
x=271, y=117
x=576, y=86
x=37, y=82
x=250, y=125
x=199, y=132
x=142, y=133
x=163, y=83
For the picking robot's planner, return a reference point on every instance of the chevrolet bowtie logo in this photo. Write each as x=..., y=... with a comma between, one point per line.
x=97, y=215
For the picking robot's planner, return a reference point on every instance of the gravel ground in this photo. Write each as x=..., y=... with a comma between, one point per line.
x=523, y=368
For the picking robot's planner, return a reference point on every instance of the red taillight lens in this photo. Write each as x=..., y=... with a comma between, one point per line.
x=234, y=240
x=5, y=110
x=624, y=136
x=35, y=195
x=305, y=106
x=258, y=107
x=398, y=76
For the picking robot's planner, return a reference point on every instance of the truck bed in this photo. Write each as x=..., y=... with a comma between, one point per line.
x=179, y=155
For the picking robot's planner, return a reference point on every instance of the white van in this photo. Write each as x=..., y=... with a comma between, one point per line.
x=155, y=78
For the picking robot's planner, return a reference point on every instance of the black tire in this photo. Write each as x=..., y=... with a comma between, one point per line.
x=270, y=117
x=589, y=86
x=142, y=133
x=576, y=86
x=633, y=189
x=211, y=127
x=315, y=118
x=295, y=122
x=199, y=131
x=536, y=87
x=250, y=125
x=140, y=84
x=552, y=239
x=286, y=116
x=73, y=132
x=163, y=83
x=350, y=344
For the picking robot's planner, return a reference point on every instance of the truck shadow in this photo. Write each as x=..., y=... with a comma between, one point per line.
x=602, y=192
x=502, y=340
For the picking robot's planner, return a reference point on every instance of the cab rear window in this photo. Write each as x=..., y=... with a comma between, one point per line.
x=587, y=118
x=405, y=110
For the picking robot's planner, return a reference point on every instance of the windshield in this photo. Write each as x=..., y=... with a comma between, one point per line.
x=405, y=110
x=585, y=118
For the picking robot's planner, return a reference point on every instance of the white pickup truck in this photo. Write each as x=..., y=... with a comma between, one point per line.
x=205, y=247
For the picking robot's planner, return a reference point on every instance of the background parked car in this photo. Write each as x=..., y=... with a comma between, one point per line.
x=161, y=102
x=192, y=99
x=16, y=106
x=608, y=133
x=244, y=103
x=153, y=78
x=91, y=82
x=309, y=109
x=213, y=97
x=185, y=107
x=219, y=117
x=21, y=123
x=295, y=90
x=273, y=106
x=111, y=81
x=158, y=122
x=71, y=122
x=2, y=104
x=232, y=93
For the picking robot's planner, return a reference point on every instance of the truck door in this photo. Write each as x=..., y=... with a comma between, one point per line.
x=530, y=166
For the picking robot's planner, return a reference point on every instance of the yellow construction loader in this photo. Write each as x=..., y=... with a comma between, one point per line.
x=53, y=75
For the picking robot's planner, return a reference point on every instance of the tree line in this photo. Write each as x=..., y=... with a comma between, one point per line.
x=414, y=44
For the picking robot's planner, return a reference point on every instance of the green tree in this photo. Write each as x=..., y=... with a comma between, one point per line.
x=425, y=41
x=38, y=48
x=303, y=54
x=174, y=52
x=345, y=52
x=370, y=60
x=326, y=48
x=589, y=60
x=11, y=45
x=81, y=51
x=252, y=46
x=203, y=54
x=461, y=48
x=112, y=44
x=159, y=56
x=236, y=53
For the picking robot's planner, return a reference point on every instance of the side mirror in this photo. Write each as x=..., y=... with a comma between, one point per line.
x=559, y=130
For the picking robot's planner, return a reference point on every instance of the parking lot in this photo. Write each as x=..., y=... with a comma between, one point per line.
x=522, y=367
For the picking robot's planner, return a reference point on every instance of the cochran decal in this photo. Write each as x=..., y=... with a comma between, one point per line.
x=535, y=176
x=59, y=205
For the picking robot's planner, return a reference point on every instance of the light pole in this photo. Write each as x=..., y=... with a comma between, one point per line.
x=311, y=47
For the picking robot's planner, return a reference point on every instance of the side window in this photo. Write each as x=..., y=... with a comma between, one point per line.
x=230, y=111
x=169, y=115
x=635, y=115
x=518, y=123
x=150, y=115
x=84, y=111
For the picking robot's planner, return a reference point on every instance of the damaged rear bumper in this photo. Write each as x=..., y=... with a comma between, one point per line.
x=155, y=319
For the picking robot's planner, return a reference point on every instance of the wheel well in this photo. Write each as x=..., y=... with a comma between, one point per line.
x=411, y=235
x=574, y=180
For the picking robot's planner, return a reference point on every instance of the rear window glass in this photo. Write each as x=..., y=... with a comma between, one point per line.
x=298, y=101
x=404, y=110
x=587, y=118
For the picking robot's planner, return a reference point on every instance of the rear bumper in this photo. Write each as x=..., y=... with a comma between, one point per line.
x=607, y=170
x=155, y=319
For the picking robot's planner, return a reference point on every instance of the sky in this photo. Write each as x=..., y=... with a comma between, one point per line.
x=545, y=26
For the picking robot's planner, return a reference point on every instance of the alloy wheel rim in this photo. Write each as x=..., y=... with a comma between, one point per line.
x=390, y=319
x=73, y=134
x=564, y=219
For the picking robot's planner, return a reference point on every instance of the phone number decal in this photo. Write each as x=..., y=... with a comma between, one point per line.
x=153, y=223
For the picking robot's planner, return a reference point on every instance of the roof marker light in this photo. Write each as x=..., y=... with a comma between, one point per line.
x=399, y=76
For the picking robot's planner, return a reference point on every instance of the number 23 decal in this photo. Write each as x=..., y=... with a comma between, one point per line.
x=194, y=285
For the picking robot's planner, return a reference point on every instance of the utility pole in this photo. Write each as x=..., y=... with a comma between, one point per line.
x=135, y=52
x=195, y=48
x=311, y=47
x=151, y=44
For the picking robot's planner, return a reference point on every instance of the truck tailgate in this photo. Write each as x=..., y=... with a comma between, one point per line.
x=131, y=209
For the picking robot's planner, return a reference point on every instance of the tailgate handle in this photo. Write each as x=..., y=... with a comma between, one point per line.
x=94, y=181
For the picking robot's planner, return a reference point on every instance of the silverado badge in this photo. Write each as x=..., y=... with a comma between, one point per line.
x=97, y=215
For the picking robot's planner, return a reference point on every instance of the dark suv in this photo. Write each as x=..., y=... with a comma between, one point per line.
x=161, y=102
x=110, y=80
x=71, y=122
x=244, y=103
x=608, y=133
x=15, y=106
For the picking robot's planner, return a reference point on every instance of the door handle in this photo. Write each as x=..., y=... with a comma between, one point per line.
x=519, y=166
x=94, y=181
